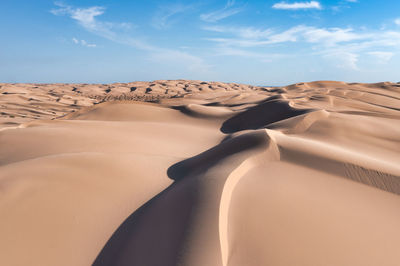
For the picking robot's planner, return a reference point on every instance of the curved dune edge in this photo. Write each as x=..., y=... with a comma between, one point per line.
x=271, y=153
x=206, y=173
x=379, y=179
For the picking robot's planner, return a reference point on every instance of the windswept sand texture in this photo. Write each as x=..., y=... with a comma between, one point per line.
x=200, y=173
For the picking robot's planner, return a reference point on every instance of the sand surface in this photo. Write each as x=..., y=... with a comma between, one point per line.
x=200, y=173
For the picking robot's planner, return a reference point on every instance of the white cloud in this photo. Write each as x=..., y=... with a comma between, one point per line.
x=332, y=36
x=164, y=16
x=227, y=11
x=397, y=21
x=328, y=37
x=263, y=57
x=382, y=57
x=290, y=35
x=342, y=46
x=83, y=43
x=87, y=18
x=243, y=32
x=258, y=37
x=343, y=59
x=343, y=4
x=255, y=37
x=297, y=5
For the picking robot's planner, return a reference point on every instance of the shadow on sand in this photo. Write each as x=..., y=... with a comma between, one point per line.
x=155, y=233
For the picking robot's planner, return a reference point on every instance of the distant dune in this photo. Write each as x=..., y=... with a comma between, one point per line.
x=200, y=173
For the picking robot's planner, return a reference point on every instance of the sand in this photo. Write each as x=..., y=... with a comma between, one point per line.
x=200, y=173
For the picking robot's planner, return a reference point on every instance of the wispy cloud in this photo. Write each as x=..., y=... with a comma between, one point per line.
x=267, y=38
x=343, y=46
x=333, y=36
x=343, y=4
x=260, y=56
x=397, y=21
x=166, y=15
x=83, y=43
x=382, y=57
x=297, y=5
x=87, y=18
x=243, y=32
x=227, y=11
x=342, y=59
x=329, y=37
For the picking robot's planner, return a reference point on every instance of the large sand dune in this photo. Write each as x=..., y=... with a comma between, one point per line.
x=200, y=173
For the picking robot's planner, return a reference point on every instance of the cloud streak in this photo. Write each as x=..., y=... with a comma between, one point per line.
x=227, y=11
x=329, y=37
x=344, y=46
x=242, y=32
x=382, y=57
x=83, y=43
x=297, y=5
x=164, y=16
x=87, y=18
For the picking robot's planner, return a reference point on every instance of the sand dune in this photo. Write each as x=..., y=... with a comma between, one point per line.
x=200, y=173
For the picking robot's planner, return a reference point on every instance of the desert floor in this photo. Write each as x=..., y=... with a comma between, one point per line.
x=200, y=174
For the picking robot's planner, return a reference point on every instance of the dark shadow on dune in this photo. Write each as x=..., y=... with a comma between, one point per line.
x=226, y=138
x=184, y=110
x=202, y=162
x=261, y=115
x=273, y=98
x=155, y=234
x=213, y=104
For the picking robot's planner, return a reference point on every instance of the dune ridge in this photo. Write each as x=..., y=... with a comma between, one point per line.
x=200, y=173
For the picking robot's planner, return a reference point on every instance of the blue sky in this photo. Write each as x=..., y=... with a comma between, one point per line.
x=255, y=42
